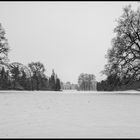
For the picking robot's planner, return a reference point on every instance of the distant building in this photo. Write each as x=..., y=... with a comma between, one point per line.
x=68, y=86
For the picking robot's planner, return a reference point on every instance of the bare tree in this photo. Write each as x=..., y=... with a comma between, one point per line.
x=4, y=47
x=124, y=56
x=86, y=81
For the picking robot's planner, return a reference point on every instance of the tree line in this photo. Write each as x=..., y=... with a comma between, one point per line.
x=16, y=76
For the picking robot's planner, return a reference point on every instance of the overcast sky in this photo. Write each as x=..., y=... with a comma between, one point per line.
x=69, y=37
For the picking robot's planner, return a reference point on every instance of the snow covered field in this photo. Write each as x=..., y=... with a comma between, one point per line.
x=69, y=114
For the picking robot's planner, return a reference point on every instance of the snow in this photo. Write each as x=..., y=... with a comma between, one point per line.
x=69, y=114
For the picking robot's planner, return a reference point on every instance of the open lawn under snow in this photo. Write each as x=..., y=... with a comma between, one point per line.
x=69, y=114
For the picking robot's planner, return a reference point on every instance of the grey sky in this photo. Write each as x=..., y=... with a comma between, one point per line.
x=69, y=37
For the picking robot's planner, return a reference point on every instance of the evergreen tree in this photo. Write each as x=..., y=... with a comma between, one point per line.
x=23, y=80
x=52, y=81
x=15, y=76
x=44, y=83
x=1, y=77
x=57, y=86
x=4, y=79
